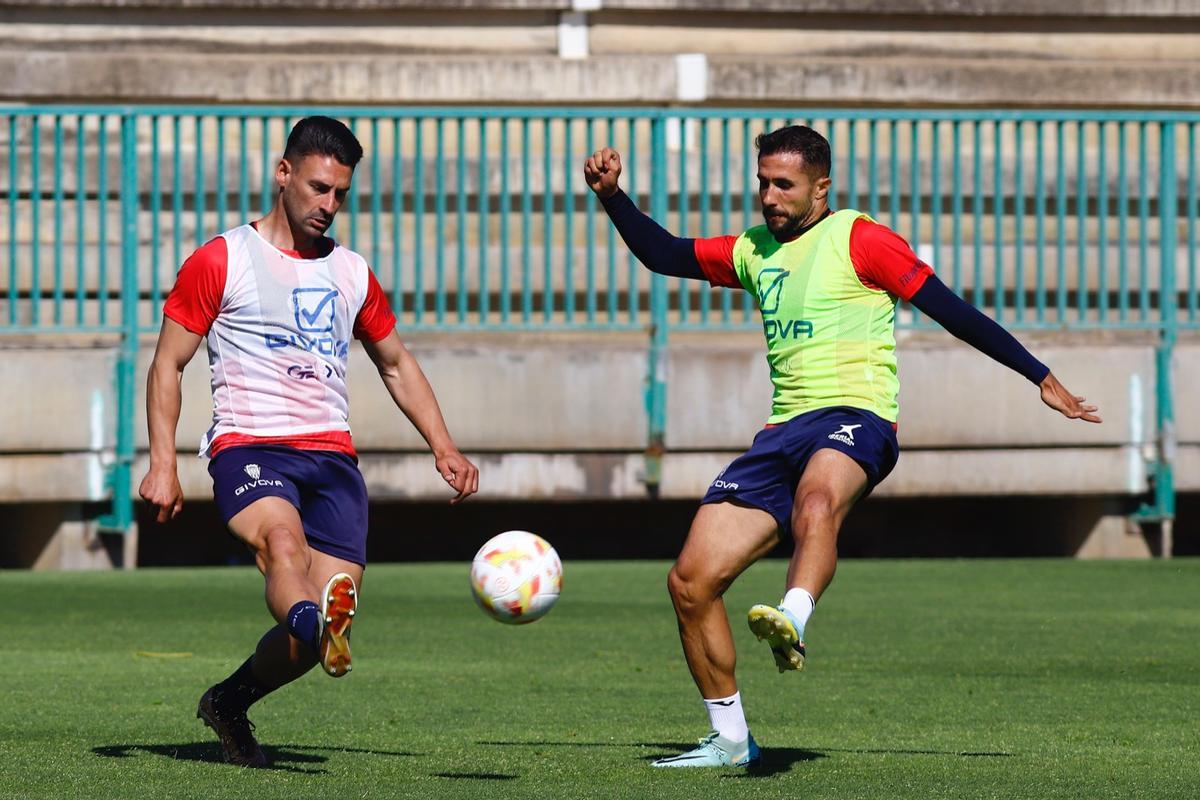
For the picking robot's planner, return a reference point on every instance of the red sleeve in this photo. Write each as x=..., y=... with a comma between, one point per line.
x=375, y=319
x=196, y=297
x=715, y=257
x=883, y=260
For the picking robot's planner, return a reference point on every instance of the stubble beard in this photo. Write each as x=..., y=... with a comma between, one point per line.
x=787, y=228
x=307, y=222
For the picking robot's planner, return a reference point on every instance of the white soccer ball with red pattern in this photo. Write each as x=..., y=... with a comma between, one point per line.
x=516, y=577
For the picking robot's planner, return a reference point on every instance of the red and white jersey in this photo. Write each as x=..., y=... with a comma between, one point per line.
x=279, y=324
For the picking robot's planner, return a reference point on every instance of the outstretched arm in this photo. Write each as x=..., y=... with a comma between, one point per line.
x=160, y=487
x=654, y=246
x=409, y=388
x=976, y=329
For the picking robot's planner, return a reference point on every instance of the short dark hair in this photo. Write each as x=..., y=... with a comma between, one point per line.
x=799, y=139
x=323, y=136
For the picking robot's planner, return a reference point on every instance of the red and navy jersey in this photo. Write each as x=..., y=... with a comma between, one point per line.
x=881, y=257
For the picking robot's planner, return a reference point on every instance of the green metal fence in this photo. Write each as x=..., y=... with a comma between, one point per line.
x=478, y=219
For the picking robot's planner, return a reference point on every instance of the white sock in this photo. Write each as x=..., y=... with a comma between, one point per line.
x=727, y=717
x=799, y=603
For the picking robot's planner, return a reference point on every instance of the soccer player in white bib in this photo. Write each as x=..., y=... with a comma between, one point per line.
x=279, y=302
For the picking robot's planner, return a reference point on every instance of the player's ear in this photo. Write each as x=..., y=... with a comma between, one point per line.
x=283, y=172
x=822, y=188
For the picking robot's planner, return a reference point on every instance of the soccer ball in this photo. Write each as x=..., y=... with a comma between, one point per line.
x=516, y=577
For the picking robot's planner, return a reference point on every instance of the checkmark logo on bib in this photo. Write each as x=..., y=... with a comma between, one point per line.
x=314, y=308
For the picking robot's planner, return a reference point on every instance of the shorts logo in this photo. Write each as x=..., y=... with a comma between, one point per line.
x=256, y=480
x=723, y=484
x=845, y=434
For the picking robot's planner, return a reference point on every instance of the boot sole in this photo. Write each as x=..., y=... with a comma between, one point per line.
x=339, y=602
x=771, y=626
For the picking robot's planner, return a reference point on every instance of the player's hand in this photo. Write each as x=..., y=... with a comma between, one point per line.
x=160, y=488
x=601, y=170
x=461, y=474
x=1055, y=395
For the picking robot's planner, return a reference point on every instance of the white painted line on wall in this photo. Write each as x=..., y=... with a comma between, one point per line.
x=674, y=134
x=691, y=77
x=1137, y=436
x=572, y=35
x=97, y=421
x=681, y=134
x=95, y=478
x=586, y=5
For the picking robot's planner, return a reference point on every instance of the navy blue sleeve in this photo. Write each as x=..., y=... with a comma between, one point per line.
x=653, y=245
x=969, y=324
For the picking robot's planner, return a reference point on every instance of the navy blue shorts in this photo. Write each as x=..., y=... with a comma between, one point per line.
x=766, y=475
x=324, y=486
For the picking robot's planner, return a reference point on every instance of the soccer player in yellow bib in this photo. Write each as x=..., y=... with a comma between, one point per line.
x=827, y=284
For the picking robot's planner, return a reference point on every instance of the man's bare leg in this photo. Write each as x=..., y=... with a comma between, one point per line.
x=828, y=488
x=293, y=572
x=271, y=528
x=281, y=658
x=724, y=539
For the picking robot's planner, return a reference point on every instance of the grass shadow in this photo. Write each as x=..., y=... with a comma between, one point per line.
x=900, y=752
x=286, y=758
x=280, y=759
x=544, y=743
x=775, y=760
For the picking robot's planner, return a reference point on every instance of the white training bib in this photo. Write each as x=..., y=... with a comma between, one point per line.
x=280, y=341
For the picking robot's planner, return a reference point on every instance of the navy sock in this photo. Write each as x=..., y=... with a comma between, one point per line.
x=241, y=689
x=304, y=622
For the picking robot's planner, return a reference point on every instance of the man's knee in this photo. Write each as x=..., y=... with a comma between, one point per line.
x=282, y=548
x=693, y=588
x=813, y=511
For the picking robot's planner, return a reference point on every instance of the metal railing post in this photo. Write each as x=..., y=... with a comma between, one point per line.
x=120, y=478
x=1161, y=508
x=1164, y=476
x=656, y=378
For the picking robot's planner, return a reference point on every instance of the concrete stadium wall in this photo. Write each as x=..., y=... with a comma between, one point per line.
x=48, y=76
x=562, y=416
x=896, y=52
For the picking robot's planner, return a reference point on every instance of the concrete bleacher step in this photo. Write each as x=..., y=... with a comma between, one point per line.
x=45, y=76
x=1111, y=52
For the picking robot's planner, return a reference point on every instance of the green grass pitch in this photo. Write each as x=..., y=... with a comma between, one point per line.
x=926, y=679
